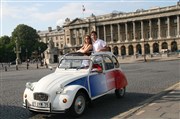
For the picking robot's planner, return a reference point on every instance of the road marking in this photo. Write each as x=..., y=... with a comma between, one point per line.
x=140, y=112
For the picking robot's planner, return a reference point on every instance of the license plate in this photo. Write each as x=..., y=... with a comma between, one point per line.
x=40, y=104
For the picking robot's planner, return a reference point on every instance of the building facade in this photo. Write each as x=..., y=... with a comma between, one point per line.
x=141, y=32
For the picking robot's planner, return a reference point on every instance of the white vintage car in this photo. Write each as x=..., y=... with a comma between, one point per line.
x=76, y=81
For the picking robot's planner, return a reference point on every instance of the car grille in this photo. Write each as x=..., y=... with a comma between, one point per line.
x=40, y=96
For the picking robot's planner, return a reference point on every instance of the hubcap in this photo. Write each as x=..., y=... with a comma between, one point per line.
x=79, y=104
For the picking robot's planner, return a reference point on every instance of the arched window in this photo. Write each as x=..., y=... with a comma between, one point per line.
x=138, y=49
x=115, y=50
x=147, y=48
x=155, y=48
x=123, y=50
x=164, y=45
x=174, y=46
x=131, y=51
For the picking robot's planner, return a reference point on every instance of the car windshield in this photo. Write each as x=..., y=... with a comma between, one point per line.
x=75, y=62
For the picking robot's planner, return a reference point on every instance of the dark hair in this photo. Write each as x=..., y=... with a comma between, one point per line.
x=94, y=32
x=90, y=41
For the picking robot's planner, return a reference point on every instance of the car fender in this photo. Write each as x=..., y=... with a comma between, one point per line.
x=68, y=94
x=28, y=95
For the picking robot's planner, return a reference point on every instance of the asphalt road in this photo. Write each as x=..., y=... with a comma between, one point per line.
x=144, y=81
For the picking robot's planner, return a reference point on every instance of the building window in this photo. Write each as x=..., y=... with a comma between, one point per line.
x=148, y=35
x=165, y=22
x=57, y=44
x=61, y=45
x=132, y=36
x=67, y=40
x=174, y=31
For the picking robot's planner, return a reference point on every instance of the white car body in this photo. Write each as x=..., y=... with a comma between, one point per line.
x=56, y=92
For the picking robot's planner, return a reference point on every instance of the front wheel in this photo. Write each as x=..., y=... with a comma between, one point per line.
x=79, y=105
x=120, y=92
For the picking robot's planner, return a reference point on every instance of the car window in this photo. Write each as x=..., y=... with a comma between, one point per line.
x=108, y=63
x=116, y=63
x=74, y=63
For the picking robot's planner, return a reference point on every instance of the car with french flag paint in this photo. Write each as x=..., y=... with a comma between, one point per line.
x=76, y=82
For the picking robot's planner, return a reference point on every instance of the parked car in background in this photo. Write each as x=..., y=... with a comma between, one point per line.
x=76, y=81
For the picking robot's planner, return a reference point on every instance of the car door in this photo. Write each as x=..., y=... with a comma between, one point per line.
x=109, y=72
x=97, y=80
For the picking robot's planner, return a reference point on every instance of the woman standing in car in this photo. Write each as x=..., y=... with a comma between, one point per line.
x=87, y=46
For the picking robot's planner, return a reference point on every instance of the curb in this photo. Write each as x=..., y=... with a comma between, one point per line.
x=151, y=60
x=146, y=102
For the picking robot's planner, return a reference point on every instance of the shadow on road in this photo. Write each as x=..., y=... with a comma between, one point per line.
x=106, y=107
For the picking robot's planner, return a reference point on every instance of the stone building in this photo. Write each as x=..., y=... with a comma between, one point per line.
x=143, y=32
x=55, y=40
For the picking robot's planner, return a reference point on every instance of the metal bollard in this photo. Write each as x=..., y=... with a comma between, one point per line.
x=16, y=67
x=27, y=66
x=5, y=68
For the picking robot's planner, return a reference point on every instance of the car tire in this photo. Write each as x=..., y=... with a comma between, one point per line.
x=120, y=92
x=79, y=105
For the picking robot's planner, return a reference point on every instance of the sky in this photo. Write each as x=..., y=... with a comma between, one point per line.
x=41, y=14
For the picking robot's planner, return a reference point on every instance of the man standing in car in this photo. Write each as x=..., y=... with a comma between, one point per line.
x=98, y=44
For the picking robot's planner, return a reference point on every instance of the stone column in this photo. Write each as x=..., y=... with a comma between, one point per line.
x=111, y=27
x=150, y=29
x=142, y=31
x=97, y=31
x=119, y=50
x=159, y=28
x=168, y=27
x=126, y=32
x=77, y=37
x=178, y=26
x=70, y=38
x=143, y=48
x=104, y=33
x=127, y=51
x=134, y=48
x=83, y=35
x=151, y=48
x=119, y=35
x=134, y=31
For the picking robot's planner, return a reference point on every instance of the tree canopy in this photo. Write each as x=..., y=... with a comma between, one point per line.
x=27, y=39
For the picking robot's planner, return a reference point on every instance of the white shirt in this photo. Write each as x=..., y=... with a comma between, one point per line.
x=98, y=44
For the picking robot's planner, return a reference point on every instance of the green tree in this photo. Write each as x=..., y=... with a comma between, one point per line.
x=6, y=49
x=27, y=37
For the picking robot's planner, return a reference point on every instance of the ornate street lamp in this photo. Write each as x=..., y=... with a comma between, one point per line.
x=17, y=50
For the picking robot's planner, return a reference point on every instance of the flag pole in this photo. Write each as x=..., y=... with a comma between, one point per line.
x=83, y=9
